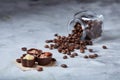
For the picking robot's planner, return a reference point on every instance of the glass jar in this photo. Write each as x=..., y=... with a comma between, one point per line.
x=91, y=23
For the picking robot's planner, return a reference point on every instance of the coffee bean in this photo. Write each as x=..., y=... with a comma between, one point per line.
x=90, y=50
x=65, y=57
x=96, y=55
x=55, y=34
x=86, y=56
x=104, y=47
x=39, y=69
x=46, y=46
x=64, y=65
x=72, y=55
x=18, y=60
x=92, y=56
x=82, y=50
x=75, y=54
x=24, y=49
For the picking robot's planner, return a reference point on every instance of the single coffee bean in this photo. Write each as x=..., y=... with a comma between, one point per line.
x=65, y=57
x=18, y=60
x=82, y=50
x=90, y=50
x=64, y=65
x=24, y=49
x=56, y=34
x=86, y=56
x=96, y=55
x=72, y=55
x=92, y=56
x=104, y=47
x=46, y=46
x=39, y=69
x=75, y=54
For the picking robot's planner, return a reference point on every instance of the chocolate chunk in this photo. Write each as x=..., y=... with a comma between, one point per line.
x=65, y=57
x=24, y=49
x=104, y=47
x=39, y=69
x=64, y=65
x=18, y=60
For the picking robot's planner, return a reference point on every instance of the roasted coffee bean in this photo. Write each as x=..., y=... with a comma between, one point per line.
x=82, y=50
x=49, y=41
x=75, y=54
x=96, y=55
x=39, y=69
x=92, y=56
x=18, y=60
x=64, y=65
x=104, y=47
x=68, y=53
x=56, y=34
x=86, y=56
x=46, y=46
x=72, y=55
x=90, y=50
x=65, y=57
x=53, y=59
x=24, y=49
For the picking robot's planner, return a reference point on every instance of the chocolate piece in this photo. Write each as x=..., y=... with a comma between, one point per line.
x=104, y=47
x=39, y=69
x=18, y=60
x=34, y=51
x=64, y=65
x=28, y=61
x=44, y=61
x=53, y=59
x=24, y=49
x=65, y=57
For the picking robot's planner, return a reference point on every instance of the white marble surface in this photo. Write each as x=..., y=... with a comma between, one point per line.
x=29, y=24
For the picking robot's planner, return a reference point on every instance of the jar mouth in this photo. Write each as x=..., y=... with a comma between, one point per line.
x=87, y=19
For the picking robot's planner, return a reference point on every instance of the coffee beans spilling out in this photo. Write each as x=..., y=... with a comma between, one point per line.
x=70, y=43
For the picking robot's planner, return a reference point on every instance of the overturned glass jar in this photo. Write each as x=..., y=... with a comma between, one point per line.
x=91, y=23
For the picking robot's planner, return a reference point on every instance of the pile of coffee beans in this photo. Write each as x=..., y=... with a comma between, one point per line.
x=70, y=43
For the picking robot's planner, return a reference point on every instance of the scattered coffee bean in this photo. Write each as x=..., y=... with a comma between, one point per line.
x=53, y=59
x=90, y=50
x=39, y=69
x=72, y=55
x=86, y=56
x=46, y=46
x=55, y=34
x=82, y=50
x=65, y=57
x=64, y=65
x=18, y=60
x=96, y=55
x=24, y=49
x=92, y=56
x=104, y=47
x=75, y=54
